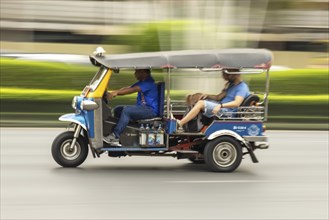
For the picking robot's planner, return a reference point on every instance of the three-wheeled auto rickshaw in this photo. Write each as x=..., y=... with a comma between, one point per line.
x=220, y=142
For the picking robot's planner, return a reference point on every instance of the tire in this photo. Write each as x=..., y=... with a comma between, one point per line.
x=66, y=157
x=223, y=154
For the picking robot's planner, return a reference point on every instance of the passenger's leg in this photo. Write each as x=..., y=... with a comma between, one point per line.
x=193, y=113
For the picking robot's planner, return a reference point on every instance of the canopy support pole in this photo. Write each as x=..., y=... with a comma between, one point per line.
x=267, y=90
x=168, y=93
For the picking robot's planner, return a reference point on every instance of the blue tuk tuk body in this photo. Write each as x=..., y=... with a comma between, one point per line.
x=220, y=143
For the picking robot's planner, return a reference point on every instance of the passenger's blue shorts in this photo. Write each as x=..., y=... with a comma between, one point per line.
x=210, y=105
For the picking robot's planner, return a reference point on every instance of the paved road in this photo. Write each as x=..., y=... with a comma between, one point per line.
x=290, y=182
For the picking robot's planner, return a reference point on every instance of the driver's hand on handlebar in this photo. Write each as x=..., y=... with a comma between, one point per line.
x=111, y=95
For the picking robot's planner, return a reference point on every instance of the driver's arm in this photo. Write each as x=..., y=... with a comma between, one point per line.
x=123, y=91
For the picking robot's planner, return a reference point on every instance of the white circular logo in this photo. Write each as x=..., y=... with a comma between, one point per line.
x=253, y=130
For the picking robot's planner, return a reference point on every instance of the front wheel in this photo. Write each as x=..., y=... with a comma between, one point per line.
x=224, y=154
x=66, y=156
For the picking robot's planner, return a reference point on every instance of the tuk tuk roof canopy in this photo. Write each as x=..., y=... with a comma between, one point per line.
x=224, y=58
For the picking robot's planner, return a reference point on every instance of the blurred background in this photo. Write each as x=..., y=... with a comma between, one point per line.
x=45, y=47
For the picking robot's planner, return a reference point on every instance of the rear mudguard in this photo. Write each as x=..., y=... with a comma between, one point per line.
x=226, y=133
x=237, y=137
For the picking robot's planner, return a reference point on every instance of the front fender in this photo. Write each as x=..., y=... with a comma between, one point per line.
x=75, y=118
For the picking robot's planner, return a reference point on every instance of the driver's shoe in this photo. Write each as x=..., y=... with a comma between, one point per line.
x=111, y=139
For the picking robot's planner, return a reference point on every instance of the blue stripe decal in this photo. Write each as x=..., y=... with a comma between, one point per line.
x=90, y=123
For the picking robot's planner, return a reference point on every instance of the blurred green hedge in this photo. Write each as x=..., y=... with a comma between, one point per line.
x=42, y=76
x=295, y=95
x=295, y=82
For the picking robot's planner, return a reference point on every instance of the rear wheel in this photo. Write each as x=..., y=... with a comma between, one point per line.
x=224, y=154
x=66, y=156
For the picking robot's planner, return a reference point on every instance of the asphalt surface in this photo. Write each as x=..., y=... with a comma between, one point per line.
x=289, y=182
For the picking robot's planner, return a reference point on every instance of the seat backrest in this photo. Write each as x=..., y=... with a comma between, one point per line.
x=161, y=94
x=251, y=99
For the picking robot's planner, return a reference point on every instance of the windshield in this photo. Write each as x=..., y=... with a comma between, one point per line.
x=97, y=78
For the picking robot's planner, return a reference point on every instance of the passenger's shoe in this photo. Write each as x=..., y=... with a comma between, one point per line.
x=179, y=129
x=111, y=139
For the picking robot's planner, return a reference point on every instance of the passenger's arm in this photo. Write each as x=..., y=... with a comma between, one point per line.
x=217, y=97
x=234, y=104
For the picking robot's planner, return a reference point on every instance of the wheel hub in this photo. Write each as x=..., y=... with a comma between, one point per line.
x=68, y=152
x=224, y=154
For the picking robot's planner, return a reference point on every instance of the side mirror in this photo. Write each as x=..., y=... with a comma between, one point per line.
x=88, y=105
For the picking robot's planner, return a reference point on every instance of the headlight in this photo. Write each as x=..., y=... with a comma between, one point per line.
x=74, y=102
x=88, y=105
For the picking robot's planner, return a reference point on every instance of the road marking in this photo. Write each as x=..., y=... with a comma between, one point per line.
x=222, y=181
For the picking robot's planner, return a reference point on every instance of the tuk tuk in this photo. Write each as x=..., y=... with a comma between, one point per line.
x=219, y=142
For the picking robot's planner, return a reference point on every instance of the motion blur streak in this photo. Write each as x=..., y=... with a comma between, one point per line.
x=167, y=25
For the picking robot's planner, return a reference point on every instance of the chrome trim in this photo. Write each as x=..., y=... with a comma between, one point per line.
x=88, y=105
x=97, y=141
x=75, y=136
x=255, y=138
x=246, y=71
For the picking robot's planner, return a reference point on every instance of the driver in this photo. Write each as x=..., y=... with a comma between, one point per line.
x=222, y=104
x=146, y=104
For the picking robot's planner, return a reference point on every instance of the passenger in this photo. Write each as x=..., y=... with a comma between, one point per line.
x=222, y=104
x=146, y=104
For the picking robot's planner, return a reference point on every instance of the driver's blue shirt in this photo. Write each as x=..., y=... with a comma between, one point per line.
x=148, y=95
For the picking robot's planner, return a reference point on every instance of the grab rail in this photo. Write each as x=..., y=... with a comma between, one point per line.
x=245, y=113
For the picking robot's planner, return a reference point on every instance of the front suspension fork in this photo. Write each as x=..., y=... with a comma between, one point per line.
x=77, y=130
